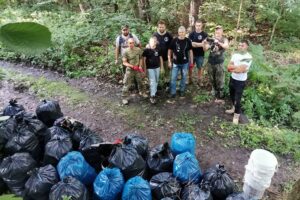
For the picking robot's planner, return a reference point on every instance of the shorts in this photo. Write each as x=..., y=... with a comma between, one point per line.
x=199, y=61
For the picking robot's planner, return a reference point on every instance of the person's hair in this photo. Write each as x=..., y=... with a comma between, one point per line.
x=131, y=39
x=181, y=28
x=125, y=26
x=162, y=22
x=219, y=27
x=200, y=21
x=245, y=41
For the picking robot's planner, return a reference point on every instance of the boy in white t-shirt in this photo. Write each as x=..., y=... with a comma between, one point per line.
x=238, y=66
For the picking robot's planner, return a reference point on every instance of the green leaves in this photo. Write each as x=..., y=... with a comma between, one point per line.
x=25, y=37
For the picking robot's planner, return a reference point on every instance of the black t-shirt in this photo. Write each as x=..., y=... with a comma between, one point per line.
x=198, y=37
x=164, y=42
x=180, y=50
x=152, y=57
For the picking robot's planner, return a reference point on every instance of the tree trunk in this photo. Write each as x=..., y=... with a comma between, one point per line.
x=194, y=12
x=143, y=6
x=238, y=22
x=276, y=22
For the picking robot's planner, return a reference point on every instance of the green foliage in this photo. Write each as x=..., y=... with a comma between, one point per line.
x=186, y=122
x=2, y=74
x=272, y=93
x=9, y=197
x=280, y=141
x=25, y=37
x=203, y=97
x=82, y=43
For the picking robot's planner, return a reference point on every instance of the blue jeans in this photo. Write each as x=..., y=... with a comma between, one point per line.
x=153, y=75
x=183, y=68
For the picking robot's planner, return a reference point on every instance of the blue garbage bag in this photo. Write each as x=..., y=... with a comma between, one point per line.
x=183, y=142
x=136, y=188
x=186, y=168
x=109, y=184
x=73, y=164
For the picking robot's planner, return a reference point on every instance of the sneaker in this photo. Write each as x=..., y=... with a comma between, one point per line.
x=236, y=118
x=220, y=101
x=152, y=100
x=172, y=96
x=143, y=94
x=230, y=111
x=181, y=94
x=125, y=102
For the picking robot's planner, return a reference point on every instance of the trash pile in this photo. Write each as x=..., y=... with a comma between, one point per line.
x=47, y=155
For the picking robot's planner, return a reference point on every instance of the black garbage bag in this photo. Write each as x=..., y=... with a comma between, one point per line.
x=7, y=131
x=220, y=182
x=30, y=122
x=164, y=185
x=57, y=147
x=100, y=151
x=194, y=192
x=3, y=186
x=236, y=196
x=57, y=131
x=170, y=198
x=13, y=108
x=160, y=159
x=24, y=141
x=129, y=161
x=89, y=139
x=40, y=182
x=138, y=142
x=15, y=171
x=69, y=188
x=48, y=112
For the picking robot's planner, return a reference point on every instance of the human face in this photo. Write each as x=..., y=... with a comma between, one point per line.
x=181, y=34
x=198, y=26
x=152, y=42
x=130, y=43
x=125, y=31
x=243, y=47
x=219, y=33
x=161, y=28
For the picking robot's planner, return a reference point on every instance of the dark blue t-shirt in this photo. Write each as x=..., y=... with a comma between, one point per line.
x=198, y=37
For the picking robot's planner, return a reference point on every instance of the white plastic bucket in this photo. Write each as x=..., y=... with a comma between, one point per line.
x=259, y=172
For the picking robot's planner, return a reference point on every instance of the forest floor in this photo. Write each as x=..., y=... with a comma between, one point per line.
x=97, y=103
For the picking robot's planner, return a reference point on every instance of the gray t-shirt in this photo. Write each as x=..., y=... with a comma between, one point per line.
x=124, y=43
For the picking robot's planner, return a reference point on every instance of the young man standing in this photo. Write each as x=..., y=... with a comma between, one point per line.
x=197, y=37
x=238, y=66
x=215, y=63
x=181, y=52
x=133, y=62
x=164, y=39
x=122, y=43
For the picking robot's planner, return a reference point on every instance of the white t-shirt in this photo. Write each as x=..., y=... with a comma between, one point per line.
x=241, y=59
x=124, y=44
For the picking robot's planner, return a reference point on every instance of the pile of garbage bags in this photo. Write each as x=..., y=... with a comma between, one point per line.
x=49, y=156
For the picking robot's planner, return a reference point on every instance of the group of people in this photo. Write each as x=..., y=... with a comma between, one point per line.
x=168, y=57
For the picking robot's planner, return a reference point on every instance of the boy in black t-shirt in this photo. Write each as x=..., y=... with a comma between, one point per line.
x=197, y=37
x=181, y=51
x=153, y=62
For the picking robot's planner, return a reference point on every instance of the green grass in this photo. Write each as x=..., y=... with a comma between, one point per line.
x=9, y=197
x=44, y=88
x=284, y=142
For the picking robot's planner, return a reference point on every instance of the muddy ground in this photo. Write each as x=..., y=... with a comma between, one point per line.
x=103, y=113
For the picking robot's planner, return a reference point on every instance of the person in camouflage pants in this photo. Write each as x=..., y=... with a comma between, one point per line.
x=132, y=59
x=217, y=46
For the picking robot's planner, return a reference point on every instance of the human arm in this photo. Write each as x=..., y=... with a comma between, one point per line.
x=224, y=45
x=170, y=52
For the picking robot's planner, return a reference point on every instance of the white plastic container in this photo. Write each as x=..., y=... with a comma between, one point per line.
x=259, y=172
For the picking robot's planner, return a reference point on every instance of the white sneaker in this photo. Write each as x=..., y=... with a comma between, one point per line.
x=236, y=118
x=125, y=102
x=230, y=111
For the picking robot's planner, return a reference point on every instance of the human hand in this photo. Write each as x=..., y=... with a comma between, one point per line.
x=191, y=65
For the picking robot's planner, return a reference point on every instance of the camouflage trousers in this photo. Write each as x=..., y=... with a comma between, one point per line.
x=216, y=75
x=129, y=79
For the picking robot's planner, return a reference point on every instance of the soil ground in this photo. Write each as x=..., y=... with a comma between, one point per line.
x=103, y=113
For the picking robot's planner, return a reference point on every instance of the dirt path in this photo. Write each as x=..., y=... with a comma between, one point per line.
x=103, y=113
